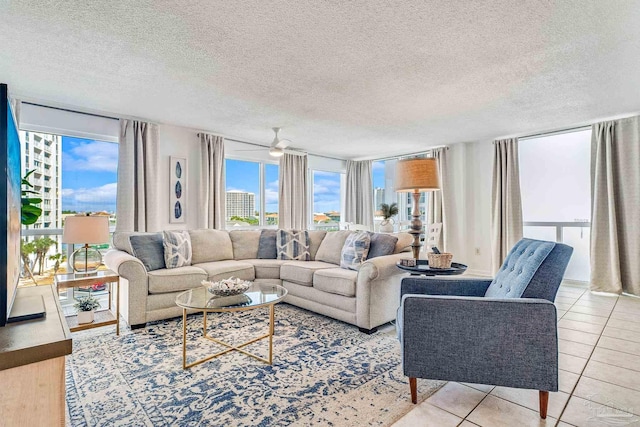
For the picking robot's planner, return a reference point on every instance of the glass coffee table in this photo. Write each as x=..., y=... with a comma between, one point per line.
x=258, y=295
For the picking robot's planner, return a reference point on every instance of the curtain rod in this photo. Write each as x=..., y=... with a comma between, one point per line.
x=550, y=133
x=69, y=111
x=267, y=147
x=417, y=153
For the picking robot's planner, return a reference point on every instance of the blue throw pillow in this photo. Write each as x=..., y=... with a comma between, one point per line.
x=148, y=248
x=381, y=245
x=267, y=245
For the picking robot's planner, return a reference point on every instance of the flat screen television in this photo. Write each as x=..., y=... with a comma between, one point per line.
x=10, y=203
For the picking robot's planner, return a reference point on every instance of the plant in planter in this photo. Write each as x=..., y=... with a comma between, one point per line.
x=85, y=307
x=388, y=212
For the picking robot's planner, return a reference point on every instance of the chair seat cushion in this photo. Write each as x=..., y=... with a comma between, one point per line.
x=518, y=269
x=175, y=279
x=219, y=270
x=266, y=268
x=301, y=272
x=337, y=281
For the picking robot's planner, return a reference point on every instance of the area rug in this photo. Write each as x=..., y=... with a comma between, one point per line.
x=324, y=372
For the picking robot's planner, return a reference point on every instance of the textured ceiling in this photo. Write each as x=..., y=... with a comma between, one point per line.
x=352, y=79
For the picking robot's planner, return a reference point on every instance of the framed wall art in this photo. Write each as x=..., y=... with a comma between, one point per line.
x=177, y=189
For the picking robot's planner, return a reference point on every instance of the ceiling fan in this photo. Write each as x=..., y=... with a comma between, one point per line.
x=276, y=149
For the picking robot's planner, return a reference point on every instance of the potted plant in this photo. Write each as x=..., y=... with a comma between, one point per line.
x=85, y=307
x=388, y=211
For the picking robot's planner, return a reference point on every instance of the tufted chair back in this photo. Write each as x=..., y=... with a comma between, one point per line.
x=533, y=269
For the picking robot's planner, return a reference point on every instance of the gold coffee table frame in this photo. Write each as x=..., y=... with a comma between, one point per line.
x=230, y=347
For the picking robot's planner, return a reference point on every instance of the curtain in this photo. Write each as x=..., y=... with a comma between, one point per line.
x=437, y=201
x=137, y=203
x=292, y=205
x=506, y=204
x=615, y=206
x=212, y=189
x=359, y=193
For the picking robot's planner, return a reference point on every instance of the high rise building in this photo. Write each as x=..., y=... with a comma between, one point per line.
x=42, y=153
x=378, y=198
x=241, y=204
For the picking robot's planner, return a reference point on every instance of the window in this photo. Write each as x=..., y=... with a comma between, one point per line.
x=556, y=195
x=252, y=193
x=327, y=199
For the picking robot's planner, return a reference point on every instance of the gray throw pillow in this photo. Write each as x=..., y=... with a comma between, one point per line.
x=149, y=250
x=381, y=245
x=267, y=245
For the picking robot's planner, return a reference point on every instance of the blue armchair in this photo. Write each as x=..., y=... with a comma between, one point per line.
x=499, y=332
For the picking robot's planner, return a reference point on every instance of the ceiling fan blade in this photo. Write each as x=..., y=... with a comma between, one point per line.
x=254, y=149
x=283, y=143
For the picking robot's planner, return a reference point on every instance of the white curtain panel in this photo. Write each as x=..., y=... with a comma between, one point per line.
x=292, y=205
x=615, y=206
x=438, y=202
x=359, y=193
x=506, y=202
x=212, y=188
x=137, y=202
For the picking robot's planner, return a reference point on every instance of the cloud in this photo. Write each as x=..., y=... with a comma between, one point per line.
x=90, y=199
x=379, y=165
x=271, y=193
x=91, y=155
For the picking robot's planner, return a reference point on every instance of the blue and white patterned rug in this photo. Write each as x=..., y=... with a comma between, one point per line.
x=324, y=372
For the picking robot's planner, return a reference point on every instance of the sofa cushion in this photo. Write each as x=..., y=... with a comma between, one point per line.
x=301, y=272
x=337, y=281
x=382, y=244
x=149, y=249
x=218, y=270
x=266, y=268
x=175, y=279
x=177, y=248
x=210, y=245
x=245, y=243
x=405, y=240
x=293, y=245
x=518, y=269
x=355, y=250
x=315, y=239
x=331, y=246
x=267, y=245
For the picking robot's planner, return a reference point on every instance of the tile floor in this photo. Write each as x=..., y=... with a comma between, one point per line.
x=599, y=382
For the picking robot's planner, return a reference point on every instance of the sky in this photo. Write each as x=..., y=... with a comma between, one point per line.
x=89, y=179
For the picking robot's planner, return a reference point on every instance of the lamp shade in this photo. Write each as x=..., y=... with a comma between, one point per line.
x=86, y=229
x=417, y=174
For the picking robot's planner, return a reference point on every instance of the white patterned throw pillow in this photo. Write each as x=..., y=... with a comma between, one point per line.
x=355, y=250
x=177, y=248
x=293, y=245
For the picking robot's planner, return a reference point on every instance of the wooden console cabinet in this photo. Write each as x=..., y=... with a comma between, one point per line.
x=32, y=365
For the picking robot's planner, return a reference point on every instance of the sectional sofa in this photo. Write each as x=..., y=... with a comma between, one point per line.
x=367, y=298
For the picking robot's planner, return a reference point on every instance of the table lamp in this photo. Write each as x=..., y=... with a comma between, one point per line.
x=415, y=176
x=87, y=230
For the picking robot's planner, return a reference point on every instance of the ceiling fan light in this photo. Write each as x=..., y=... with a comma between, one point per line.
x=276, y=152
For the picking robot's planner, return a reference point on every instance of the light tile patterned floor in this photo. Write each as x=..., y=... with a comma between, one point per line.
x=599, y=344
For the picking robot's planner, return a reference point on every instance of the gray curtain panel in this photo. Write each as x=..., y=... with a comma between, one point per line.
x=437, y=202
x=359, y=193
x=292, y=205
x=137, y=206
x=506, y=203
x=212, y=190
x=615, y=206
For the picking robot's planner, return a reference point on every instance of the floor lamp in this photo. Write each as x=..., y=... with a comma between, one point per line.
x=415, y=176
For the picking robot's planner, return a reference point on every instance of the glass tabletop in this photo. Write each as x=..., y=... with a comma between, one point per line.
x=257, y=295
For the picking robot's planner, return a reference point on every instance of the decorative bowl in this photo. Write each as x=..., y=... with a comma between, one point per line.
x=227, y=287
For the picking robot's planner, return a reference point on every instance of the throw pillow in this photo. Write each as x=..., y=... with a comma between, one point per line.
x=177, y=248
x=293, y=245
x=381, y=245
x=267, y=248
x=355, y=250
x=149, y=249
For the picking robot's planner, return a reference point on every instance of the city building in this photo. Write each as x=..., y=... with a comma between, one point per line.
x=240, y=204
x=42, y=153
x=378, y=197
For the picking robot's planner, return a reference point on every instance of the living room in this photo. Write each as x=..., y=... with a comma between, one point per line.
x=272, y=139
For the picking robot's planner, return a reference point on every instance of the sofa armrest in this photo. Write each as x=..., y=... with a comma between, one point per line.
x=136, y=289
x=509, y=342
x=438, y=286
x=382, y=266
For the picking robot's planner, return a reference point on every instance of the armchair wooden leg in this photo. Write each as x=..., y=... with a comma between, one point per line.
x=413, y=384
x=544, y=402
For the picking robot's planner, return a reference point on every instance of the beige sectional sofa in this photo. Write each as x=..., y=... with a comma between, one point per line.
x=366, y=298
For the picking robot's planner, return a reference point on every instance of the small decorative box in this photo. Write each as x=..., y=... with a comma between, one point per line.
x=408, y=262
